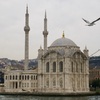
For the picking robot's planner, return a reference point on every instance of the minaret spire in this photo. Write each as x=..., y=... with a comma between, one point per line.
x=86, y=51
x=26, y=29
x=45, y=14
x=27, y=9
x=45, y=33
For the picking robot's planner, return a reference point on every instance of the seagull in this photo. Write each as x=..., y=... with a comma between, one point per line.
x=91, y=23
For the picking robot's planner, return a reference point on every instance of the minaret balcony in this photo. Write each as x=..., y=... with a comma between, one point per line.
x=26, y=28
x=45, y=33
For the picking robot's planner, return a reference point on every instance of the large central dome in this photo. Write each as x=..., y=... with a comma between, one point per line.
x=63, y=42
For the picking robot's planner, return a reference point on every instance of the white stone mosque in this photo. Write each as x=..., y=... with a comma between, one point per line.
x=62, y=67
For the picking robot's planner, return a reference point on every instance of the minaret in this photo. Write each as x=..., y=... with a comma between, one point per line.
x=86, y=51
x=45, y=33
x=26, y=29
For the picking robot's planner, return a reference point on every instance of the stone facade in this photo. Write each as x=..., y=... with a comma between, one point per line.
x=20, y=81
x=63, y=69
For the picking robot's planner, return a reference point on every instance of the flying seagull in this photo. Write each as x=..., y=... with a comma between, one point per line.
x=91, y=23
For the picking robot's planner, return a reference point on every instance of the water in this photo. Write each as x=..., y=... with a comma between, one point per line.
x=13, y=97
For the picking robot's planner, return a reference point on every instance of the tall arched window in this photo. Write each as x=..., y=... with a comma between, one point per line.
x=36, y=77
x=13, y=77
x=16, y=77
x=54, y=66
x=32, y=77
x=25, y=77
x=22, y=77
x=10, y=77
x=28, y=77
x=76, y=67
x=72, y=69
x=47, y=67
x=19, y=77
x=61, y=66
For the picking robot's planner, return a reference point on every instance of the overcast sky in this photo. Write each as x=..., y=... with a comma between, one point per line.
x=62, y=15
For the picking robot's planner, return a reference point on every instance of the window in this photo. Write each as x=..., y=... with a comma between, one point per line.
x=60, y=83
x=61, y=66
x=16, y=85
x=54, y=83
x=16, y=77
x=27, y=84
x=10, y=77
x=19, y=77
x=13, y=77
x=23, y=77
x=54, y=66
x=36, y=77
x=72, y=67
x=31, y=84
x=28, y=77
x=31, y=77
x=47, y=83
x=47, y=67
x=76, y=67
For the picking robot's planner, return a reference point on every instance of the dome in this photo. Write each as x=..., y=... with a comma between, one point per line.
x=63, y=42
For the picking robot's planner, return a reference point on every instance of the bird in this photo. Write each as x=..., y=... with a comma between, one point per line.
x=91, y=23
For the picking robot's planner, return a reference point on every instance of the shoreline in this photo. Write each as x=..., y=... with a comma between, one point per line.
x=49, y=94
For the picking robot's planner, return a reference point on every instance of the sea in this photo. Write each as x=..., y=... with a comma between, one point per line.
x=20, y=97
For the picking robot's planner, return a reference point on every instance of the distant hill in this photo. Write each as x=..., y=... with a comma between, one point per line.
x=15, y=64
x=94, y=61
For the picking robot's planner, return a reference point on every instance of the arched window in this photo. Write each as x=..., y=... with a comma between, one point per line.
x=36, y=77
x=76, y=67
x=32, y=77
x=10, y=77
x=25, y=77
x=47, y=67
x=13, y=77
x=72, y=69
x=22, y=77
x=61, y=66
x=54, y=66
x=28, y=77
x=19, y=77
x=16, y=85
x=16, y=77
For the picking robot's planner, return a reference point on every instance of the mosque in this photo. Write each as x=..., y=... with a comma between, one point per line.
x=62, y=67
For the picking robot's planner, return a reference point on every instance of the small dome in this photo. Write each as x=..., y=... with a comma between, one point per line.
x=63, y=42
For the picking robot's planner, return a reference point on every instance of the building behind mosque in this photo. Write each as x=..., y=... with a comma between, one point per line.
x=62, y=67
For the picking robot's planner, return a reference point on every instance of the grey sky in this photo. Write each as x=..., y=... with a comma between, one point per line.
x=62, y=15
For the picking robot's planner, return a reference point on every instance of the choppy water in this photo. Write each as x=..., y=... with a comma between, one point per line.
x=13, y=97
